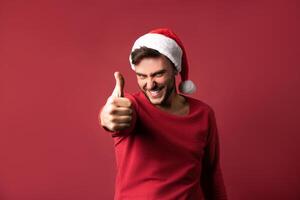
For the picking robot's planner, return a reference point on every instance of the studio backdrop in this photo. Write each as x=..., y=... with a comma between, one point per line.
x=57, y=60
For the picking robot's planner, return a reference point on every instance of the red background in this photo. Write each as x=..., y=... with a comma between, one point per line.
x=57, y=60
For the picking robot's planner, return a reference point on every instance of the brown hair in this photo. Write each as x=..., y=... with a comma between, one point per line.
x=143, y=52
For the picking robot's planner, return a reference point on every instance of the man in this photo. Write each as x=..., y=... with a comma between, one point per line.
x=166, y=143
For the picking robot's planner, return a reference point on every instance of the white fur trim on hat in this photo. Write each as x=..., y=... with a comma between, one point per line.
x=161, y=43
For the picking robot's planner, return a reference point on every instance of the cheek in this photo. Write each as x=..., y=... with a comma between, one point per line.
x=166, y=81
x=141, y=83
x=161, y=80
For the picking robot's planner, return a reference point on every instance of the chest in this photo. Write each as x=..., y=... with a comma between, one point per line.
x=185, y=135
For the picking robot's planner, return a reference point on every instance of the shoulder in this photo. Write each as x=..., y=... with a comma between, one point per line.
x=135, y=98
x=199, y=104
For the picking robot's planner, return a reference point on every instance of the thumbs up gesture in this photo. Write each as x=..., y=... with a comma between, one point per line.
x=116, y=114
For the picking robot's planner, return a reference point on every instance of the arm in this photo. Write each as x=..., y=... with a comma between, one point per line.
x=211, y=178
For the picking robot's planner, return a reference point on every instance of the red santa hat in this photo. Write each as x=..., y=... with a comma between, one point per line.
x=167, y=43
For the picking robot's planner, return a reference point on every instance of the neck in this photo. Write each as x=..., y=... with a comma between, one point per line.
x=172, y=102
x=176, y=105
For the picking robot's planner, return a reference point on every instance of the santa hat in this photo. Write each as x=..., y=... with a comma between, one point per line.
x=167, y=43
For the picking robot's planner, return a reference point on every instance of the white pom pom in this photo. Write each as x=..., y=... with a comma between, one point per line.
x=187, y=87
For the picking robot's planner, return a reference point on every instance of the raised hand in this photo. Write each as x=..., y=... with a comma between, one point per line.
x=117, y=113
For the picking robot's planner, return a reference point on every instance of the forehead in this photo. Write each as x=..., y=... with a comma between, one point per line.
x=153, y=64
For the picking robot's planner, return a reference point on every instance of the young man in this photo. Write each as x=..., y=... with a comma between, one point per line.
x=166, y=143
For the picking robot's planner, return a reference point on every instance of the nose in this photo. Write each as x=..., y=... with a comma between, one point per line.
x=150, y=84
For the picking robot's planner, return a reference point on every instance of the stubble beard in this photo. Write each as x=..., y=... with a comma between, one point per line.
x=170, y=89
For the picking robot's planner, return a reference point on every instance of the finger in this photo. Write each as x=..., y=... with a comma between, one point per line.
x=121, y=119
x=122, y=102
x=121, y=111
x=121, y=126
x=119, y=87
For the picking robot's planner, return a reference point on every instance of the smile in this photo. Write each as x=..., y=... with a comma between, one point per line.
x=155, y=93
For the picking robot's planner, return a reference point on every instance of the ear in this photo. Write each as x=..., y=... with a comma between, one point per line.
x=175, y=72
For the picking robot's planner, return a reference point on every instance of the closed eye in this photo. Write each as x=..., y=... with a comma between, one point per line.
x=141, y=76
x=159, y=75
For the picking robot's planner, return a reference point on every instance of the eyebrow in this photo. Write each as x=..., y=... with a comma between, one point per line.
x=152, y=74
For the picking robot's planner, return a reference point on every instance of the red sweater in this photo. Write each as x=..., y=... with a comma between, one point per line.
x=168, y=157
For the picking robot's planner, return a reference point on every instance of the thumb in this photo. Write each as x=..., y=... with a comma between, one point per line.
x=119, y=87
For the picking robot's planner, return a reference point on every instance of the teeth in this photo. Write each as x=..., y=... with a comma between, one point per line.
x=154, y=92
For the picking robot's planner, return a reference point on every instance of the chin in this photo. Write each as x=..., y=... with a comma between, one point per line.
x=155, y=101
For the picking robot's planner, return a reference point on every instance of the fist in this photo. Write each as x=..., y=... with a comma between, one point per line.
x=117, y=113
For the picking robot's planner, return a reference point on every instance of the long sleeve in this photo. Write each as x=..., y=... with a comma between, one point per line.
x=211, y=178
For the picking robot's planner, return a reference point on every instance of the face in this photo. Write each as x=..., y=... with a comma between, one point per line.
x=156, y=78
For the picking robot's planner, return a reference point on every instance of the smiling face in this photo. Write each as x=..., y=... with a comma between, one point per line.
x=156, y=78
